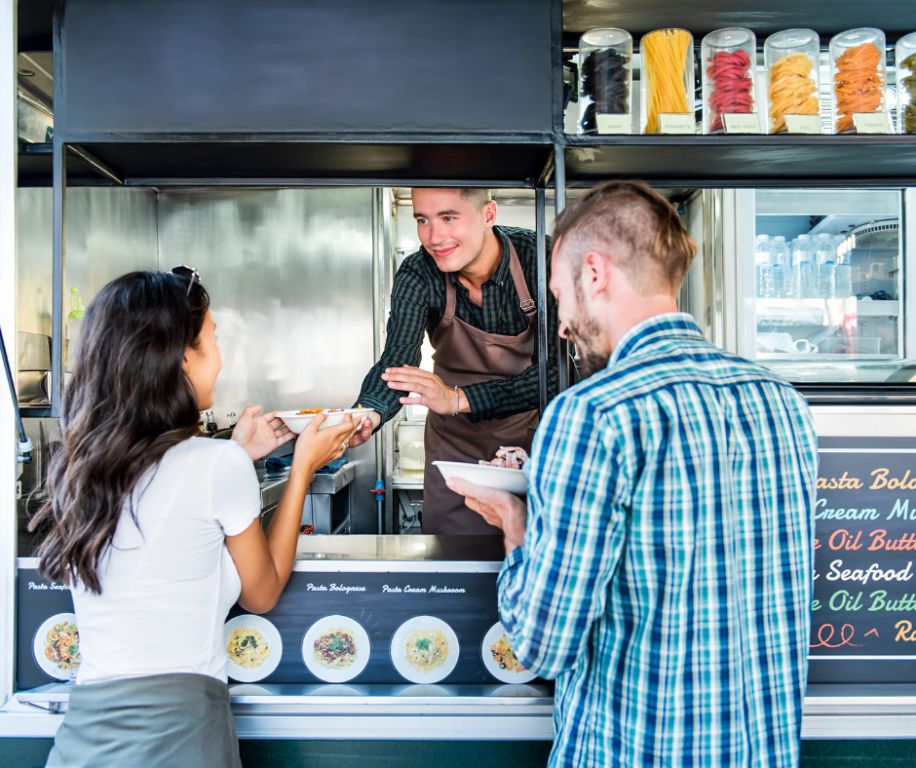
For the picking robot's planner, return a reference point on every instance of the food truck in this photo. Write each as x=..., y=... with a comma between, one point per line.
x=274, y=147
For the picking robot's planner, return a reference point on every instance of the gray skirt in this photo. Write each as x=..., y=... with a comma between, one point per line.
x=157, y=721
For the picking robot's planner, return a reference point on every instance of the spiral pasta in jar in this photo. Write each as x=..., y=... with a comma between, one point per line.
x=857, y=70
x=728, y=58
x=667, y=78
x=791, y=61
x=605, y=81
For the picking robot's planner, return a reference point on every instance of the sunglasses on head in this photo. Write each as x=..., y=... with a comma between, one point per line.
x=187, y=273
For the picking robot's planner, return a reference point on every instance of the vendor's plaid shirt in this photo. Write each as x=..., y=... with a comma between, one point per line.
x=665, y=576
x=417, y=306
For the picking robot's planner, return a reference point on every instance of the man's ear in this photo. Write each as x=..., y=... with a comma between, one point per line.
x=596, y=273
x=489, y=213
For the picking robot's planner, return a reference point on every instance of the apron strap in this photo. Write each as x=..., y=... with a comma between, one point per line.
x=450, y=297
x=525, y=302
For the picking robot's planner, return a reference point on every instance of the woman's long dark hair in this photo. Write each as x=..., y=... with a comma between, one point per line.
x=128, y=402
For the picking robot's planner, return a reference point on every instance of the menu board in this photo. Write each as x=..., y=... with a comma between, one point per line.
x=863, y=627
x=421, y=627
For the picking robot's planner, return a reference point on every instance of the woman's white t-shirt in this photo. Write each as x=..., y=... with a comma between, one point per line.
x=168, y=584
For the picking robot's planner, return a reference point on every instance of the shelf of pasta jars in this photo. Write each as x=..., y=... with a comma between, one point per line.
x=734, y=108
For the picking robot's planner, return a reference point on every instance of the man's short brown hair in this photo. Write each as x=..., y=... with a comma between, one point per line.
x=636, y=227
x=480, y=197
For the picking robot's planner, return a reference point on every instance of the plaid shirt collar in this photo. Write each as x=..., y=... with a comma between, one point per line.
x=650, y=334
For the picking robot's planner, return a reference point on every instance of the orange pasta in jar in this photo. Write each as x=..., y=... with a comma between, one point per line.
x=857, y=66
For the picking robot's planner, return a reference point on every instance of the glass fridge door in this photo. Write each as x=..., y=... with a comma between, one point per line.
x=823, y=284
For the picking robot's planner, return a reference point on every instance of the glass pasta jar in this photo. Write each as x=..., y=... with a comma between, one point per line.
x=858, y=74
x=605, y=81
x=906, y=83
x=728, y=58
x=791, y=61
x=667, y=83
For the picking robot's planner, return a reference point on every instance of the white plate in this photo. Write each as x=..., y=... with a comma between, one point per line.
x=330, y=624
x=407, y=669
x=500, y=478
x=504, y=675
x=41, y=643
x=274, y=644
x=298, y=421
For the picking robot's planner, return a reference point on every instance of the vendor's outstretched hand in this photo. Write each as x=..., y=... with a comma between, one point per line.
x=432, y=392
x=366, y=426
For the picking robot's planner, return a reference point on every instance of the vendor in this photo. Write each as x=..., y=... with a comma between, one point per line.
x=471, y=287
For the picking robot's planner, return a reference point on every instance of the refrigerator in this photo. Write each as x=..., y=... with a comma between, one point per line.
x=822, y=283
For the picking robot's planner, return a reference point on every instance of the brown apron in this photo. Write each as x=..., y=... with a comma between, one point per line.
x=467, y=355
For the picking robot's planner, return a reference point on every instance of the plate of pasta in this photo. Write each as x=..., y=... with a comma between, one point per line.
x=298, y=420
x=253, y=647
x=424, y=649
x=57, y=646
x=500, y=659
x=335, y=649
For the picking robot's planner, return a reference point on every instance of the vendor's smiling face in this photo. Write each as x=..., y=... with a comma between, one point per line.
x=452, y=227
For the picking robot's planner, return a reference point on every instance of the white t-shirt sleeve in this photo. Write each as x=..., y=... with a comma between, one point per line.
x=235, y=492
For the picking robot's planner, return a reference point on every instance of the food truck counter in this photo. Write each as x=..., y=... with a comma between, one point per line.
x=383, y=594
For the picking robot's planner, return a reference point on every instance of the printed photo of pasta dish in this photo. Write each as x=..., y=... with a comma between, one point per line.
x=335, y=649
x=247, y=647
x=427, y=649
x=62, y=646
x=504, y=656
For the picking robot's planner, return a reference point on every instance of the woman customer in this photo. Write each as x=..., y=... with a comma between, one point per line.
x=157, y=530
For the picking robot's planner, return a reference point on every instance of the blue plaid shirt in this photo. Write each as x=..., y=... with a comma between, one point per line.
x=665, y=575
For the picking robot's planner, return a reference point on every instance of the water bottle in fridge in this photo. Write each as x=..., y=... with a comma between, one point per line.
x=802, y=253
x=803, y=276
x=782, y=262
x=825, y=254
x=762, y=265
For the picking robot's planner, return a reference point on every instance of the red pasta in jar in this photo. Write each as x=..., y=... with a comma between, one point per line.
x=731, y=86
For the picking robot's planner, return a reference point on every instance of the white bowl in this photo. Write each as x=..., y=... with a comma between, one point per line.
x=298, y=421
x=487, y=475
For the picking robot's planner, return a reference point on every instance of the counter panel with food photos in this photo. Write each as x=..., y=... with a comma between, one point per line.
x=336, y=626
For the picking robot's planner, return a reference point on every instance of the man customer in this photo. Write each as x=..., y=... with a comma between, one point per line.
x=470, y=286
x=663, y=572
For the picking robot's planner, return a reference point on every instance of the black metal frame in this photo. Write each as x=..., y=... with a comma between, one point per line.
x=559, y=168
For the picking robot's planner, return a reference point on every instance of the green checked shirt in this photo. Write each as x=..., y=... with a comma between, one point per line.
x=417, y=306
x=665, y=576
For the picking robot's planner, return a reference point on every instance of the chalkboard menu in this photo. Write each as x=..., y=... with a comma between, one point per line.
x=863, y=626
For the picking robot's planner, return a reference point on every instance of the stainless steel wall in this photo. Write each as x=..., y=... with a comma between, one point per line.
x=290, y=277
x=109, y=231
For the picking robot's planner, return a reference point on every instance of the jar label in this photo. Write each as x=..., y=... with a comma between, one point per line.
x=803, y=123
x=872, y=122
x=683, y=123
x=614, y=123
x=748, y=123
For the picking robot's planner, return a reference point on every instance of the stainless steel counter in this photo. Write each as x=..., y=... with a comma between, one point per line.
x=485, y=712
x=407, y=548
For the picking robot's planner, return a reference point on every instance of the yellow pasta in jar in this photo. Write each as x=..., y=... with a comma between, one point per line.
x=665, y=60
